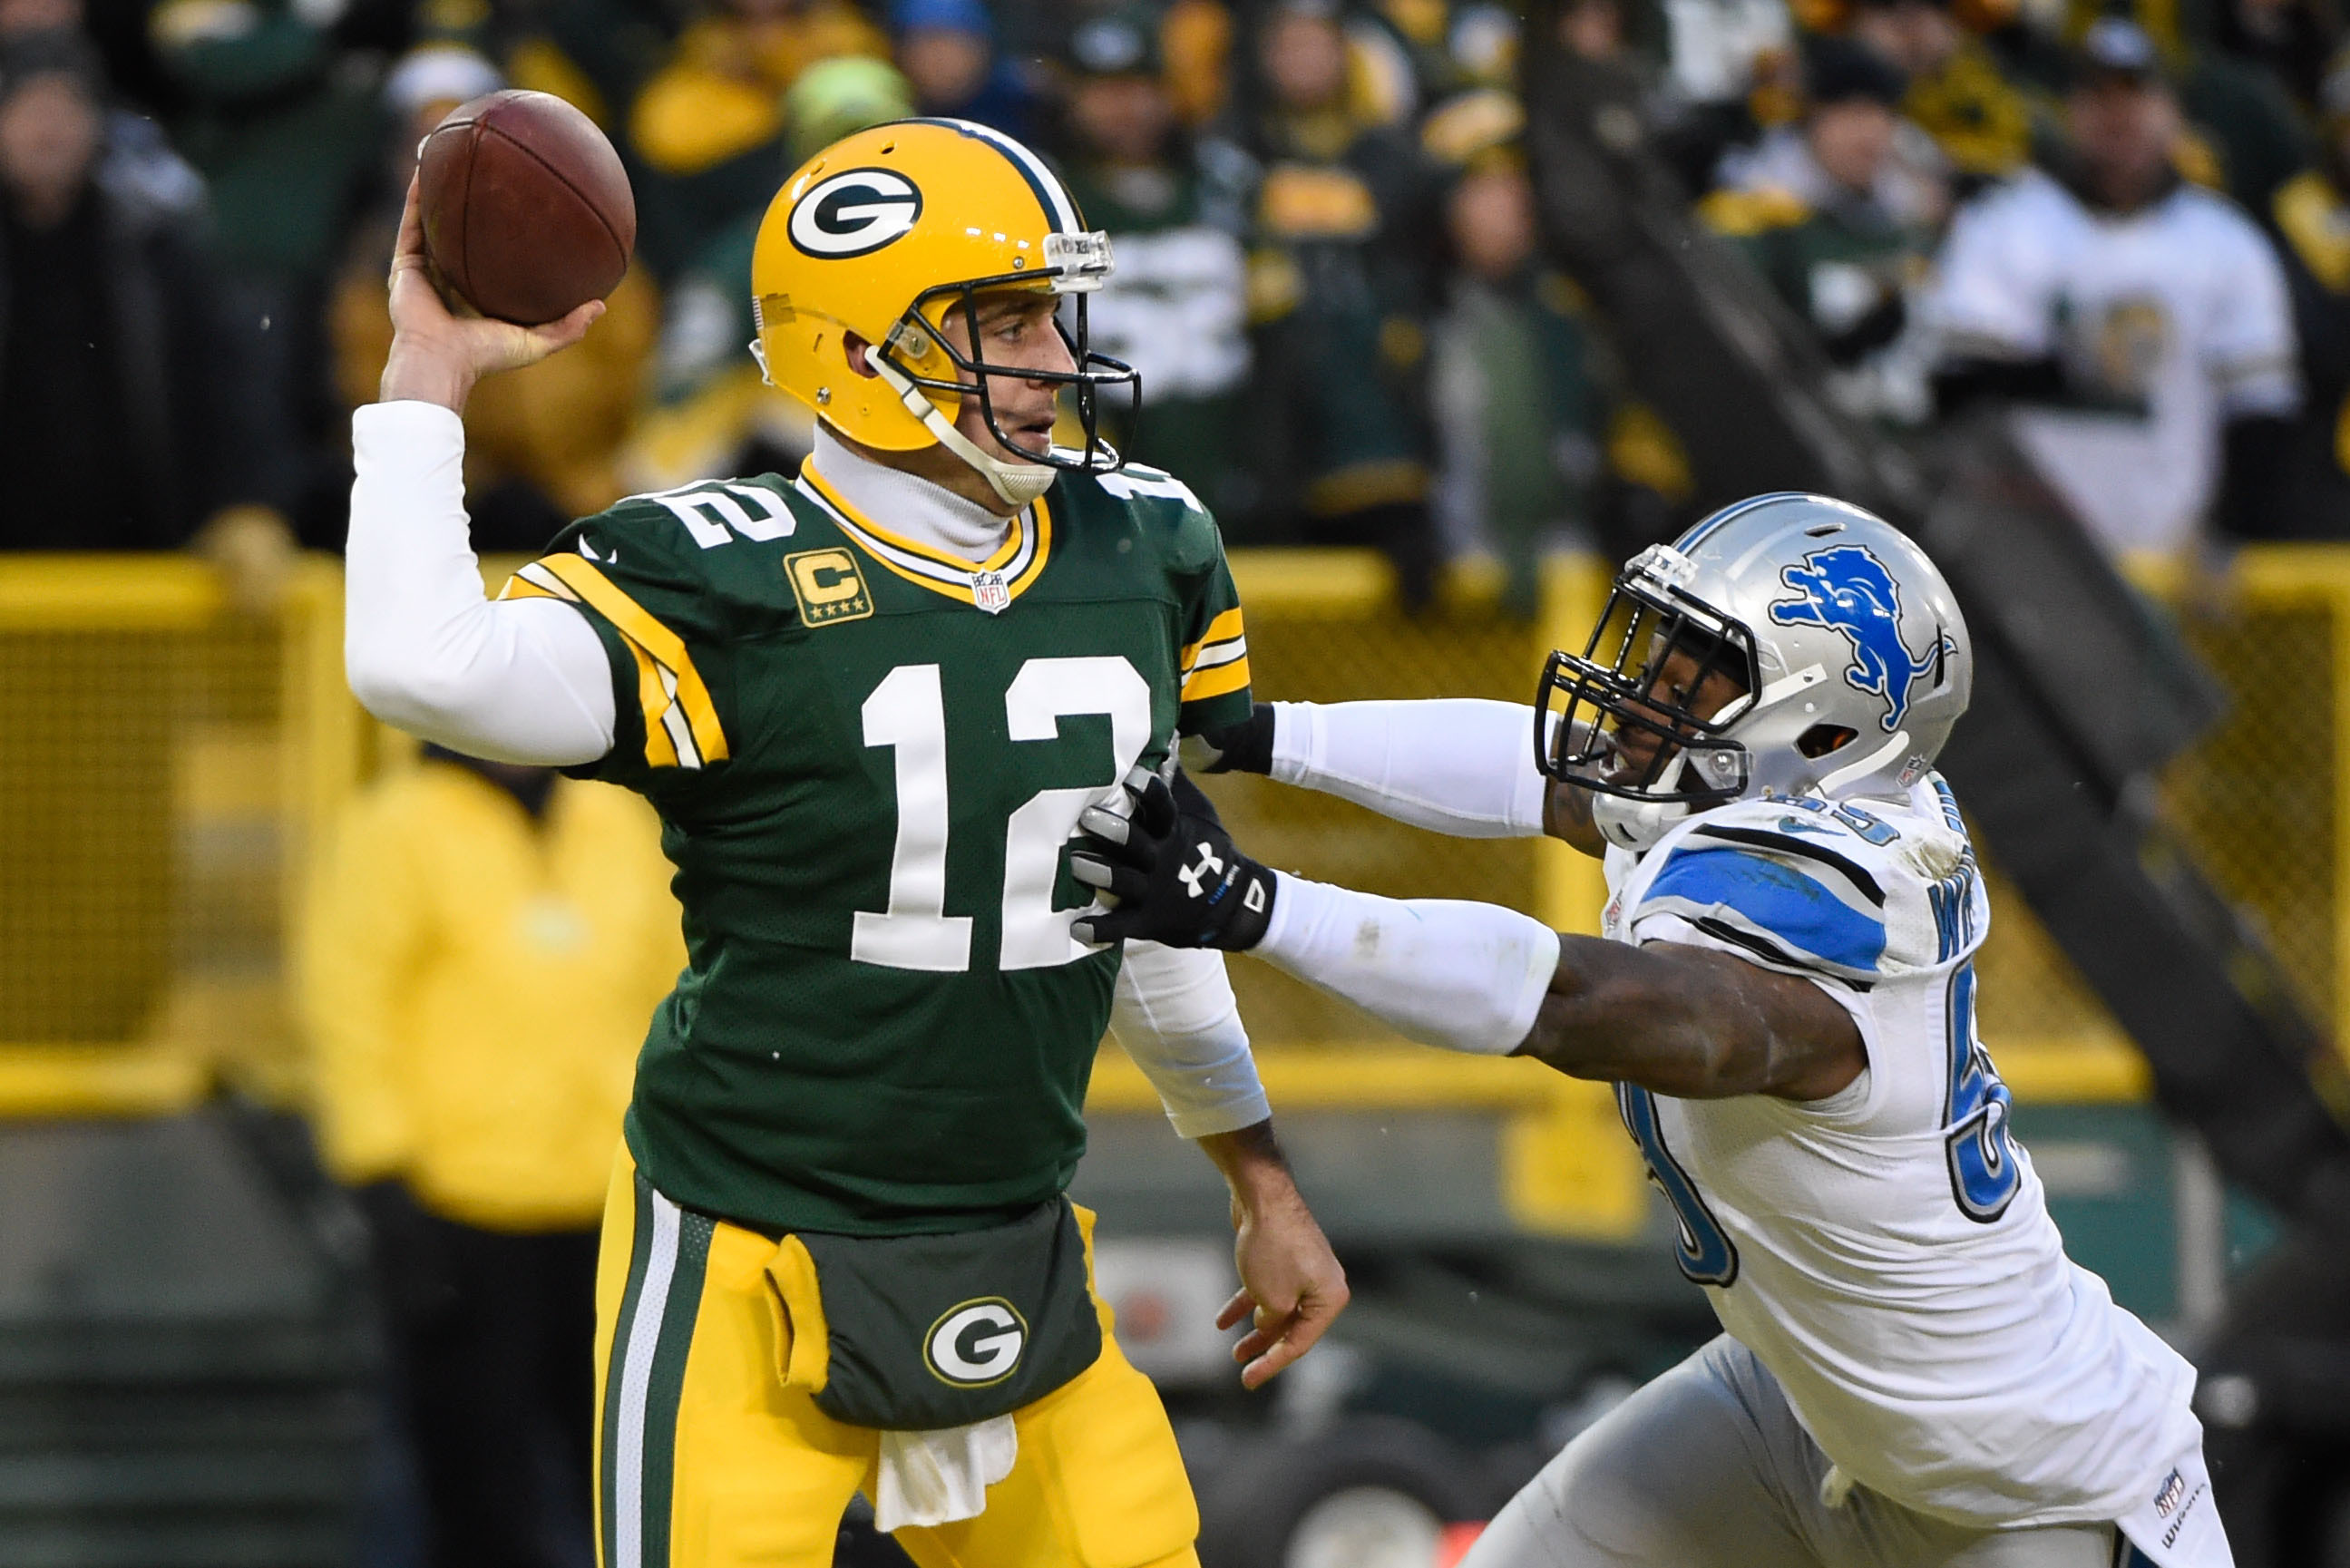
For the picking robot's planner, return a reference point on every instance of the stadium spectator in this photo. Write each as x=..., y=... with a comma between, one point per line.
x=1174, y=210
x=481, y=953
x=119, y=397
x=2142, y=321
x=1520, y=416
x=1956, y=90
x=1839, y=213
x=708, y=131
x=2292, y=40
x=947, y=49
x=543, y=446
x=2312, y=215
x=1341, y=285
x=281, y=122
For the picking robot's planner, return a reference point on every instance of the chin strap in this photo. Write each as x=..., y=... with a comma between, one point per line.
x=1019, y=483
x=1635, y=825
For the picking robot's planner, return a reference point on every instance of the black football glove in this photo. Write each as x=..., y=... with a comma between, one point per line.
x=1169, y=871
x=1243, y=748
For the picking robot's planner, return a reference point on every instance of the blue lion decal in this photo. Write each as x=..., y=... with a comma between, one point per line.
x=1846, y=588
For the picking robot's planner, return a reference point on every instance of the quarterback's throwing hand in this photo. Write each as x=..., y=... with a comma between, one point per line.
x=436, y=355
x=1169, y=872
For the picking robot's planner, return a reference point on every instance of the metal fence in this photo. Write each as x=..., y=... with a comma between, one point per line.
x=166, y=763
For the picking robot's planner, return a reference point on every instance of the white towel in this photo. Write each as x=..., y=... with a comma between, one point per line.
x=937, y=1477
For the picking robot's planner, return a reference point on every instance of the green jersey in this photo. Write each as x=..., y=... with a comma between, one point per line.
x=869, y=758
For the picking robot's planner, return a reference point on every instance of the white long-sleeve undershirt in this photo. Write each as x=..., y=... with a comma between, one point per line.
x=515, y=681
x=527, y=680
x=1467, y=977
x=1461, y=766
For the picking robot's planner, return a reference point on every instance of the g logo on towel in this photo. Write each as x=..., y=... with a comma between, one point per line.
x=976, y=1343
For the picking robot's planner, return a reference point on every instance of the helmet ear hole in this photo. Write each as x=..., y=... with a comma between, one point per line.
x=1820, y=739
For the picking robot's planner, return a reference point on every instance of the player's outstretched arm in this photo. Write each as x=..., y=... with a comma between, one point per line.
x=1456, y=765
x=1472, y=977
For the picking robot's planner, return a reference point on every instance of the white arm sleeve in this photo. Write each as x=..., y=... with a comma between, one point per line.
x=1456, y=765
x=1468, y=977
x=1174, y=1014
x=521, y=680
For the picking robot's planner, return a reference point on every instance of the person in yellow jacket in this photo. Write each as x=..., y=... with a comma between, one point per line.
x=482, y=947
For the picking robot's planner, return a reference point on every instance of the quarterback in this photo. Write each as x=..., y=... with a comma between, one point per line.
x=1912, y=1371
x=870, y=704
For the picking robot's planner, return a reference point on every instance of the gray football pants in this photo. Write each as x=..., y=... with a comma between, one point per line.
x=1708, y=1467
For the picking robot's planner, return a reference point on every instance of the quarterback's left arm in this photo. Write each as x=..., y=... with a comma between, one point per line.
x=1175, y=1014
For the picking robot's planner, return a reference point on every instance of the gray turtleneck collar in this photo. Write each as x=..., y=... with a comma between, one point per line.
x=907, y=504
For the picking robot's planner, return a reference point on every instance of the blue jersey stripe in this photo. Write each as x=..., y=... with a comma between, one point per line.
x=1794, y=909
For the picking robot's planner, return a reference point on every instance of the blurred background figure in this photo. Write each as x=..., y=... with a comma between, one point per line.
x=484, y=947
x=1342, y=276
x=1839, y=213
x=265, y=103
x=2143, y=321
x=122, y=423
x=707, y=132
x=2311, y=213
x=947, y=51
x=1954, y=88
x=1520, y=415
x=1174, y=207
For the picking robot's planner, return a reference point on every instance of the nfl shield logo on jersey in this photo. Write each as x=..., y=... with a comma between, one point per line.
x=990, y=592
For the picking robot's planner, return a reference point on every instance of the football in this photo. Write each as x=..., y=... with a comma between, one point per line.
x=527, y=212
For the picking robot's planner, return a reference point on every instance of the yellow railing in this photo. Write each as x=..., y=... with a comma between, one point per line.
x=166, y=763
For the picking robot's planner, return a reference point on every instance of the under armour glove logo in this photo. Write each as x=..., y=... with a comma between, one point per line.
x=1194, y=878
x=1167, y=871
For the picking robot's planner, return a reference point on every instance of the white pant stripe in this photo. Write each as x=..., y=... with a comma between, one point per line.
x=635, y=1376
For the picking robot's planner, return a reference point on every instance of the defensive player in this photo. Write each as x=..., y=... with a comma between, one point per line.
x=1912, y=1373
x=868, y=706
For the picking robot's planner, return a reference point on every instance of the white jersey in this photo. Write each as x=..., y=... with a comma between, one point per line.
x=1887, y=1253
x=2178, y=313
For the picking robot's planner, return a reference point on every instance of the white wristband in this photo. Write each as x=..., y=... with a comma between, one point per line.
x=1467, y=977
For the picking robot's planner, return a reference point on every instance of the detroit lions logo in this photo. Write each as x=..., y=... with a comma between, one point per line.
x=1846, y=589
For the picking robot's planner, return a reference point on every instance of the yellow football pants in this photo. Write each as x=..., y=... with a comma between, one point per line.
x=710, y=1456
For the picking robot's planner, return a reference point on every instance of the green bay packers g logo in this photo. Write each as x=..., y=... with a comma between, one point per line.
x=855, y=212
x=976, y=1343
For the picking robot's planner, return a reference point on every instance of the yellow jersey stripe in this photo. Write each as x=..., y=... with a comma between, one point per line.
x=1044, y=548
x=1215, y=682
x=660, y=751
x=516, y=588
x=640, y=626
x=995, y=563
x=1223, y=627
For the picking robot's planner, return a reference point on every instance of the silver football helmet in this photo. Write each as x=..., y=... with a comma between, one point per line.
x=1790, y=645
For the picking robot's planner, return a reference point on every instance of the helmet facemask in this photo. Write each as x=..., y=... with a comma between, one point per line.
x=1629, y=727
x=909, y=361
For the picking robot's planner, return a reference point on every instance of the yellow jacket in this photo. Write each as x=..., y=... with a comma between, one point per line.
x=475, y=987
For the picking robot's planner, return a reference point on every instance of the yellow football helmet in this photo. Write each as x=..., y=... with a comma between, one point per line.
x=885, y=232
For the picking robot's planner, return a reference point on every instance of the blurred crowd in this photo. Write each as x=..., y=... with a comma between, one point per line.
x=2133, y=226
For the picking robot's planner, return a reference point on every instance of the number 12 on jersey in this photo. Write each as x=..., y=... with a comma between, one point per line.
x=907, y=713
